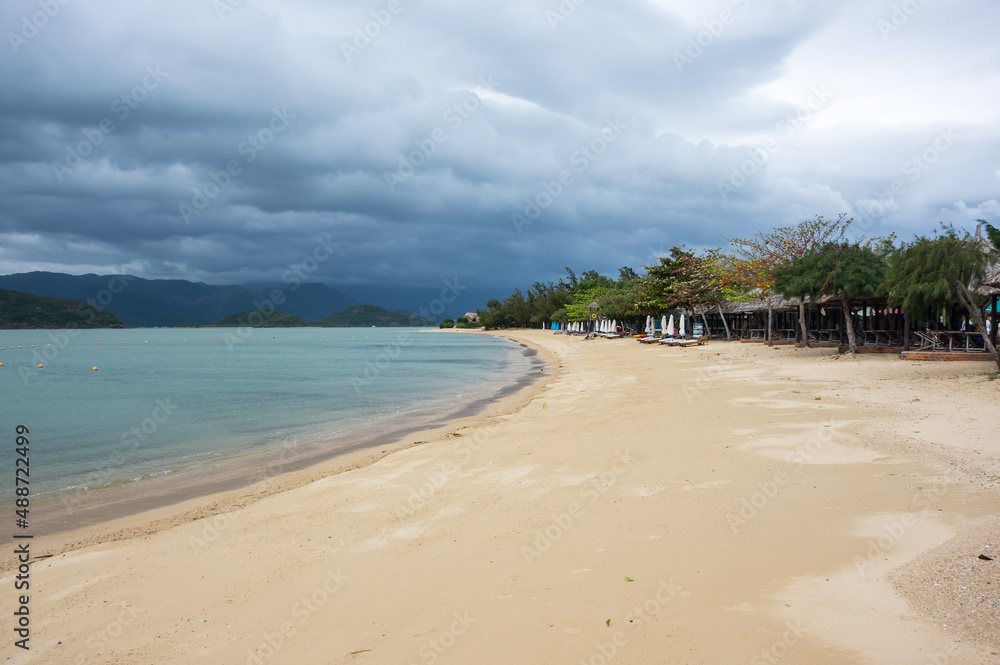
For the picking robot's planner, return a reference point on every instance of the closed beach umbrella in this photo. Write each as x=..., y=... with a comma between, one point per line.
x=663, y=324
x=648, y=319
x=681, y=332
x=670, y=325
x=614, y=325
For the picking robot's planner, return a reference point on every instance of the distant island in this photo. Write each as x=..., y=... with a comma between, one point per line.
x=25, y=311
x=260, y=318
x=364, y=316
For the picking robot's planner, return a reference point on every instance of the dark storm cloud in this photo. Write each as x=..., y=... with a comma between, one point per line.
x=221, y=141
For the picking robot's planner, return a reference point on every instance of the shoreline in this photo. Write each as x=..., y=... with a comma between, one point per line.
x=703, y=502
x=269, y=471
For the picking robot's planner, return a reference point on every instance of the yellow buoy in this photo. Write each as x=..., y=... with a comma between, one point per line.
x=1, y=364
x=41, y=365
x=32, y=346
x=94, y=368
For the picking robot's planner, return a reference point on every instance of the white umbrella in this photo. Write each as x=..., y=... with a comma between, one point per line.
x=670, y=325
x=614, y=326
x=681, y=331
x=649, y=324
x=663, y=324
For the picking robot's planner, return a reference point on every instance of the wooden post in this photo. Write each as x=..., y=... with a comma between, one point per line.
x=906, y=330
x=851, y=340
x=804, y=325
x=993, y=326
x=769, y=342
x=724, y=324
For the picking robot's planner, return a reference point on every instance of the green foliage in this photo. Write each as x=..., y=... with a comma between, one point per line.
x=748, y=272
x=992, y=233
x=365, y=316
x=834, y=269
x=448, y=323
x=566, y=300
x=681, y=280
x=922, y=274
x=261, y=318
x=19, y=310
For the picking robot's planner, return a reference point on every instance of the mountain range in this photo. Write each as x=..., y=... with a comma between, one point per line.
x=143, y=302
x=168, y=302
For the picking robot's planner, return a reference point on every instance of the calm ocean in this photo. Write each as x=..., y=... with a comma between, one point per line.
x=162, y=400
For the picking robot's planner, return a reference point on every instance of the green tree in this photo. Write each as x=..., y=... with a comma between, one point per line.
x=748, y=272
x=841, y=270
x=928, y=273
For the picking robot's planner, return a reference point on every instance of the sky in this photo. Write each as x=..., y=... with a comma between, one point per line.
x=406, y=143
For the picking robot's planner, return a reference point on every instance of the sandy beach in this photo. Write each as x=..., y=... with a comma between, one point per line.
x=731, y=503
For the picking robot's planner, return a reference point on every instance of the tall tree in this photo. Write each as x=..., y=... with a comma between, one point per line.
x=749, y=271
x=928, y=273
x=842, y=270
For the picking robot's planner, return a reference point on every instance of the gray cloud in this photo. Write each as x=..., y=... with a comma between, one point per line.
x=179, y=140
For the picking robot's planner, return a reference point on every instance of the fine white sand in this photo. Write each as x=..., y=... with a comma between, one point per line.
x=720, y=504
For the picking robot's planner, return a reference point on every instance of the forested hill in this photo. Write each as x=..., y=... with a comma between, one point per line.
x=19, y=310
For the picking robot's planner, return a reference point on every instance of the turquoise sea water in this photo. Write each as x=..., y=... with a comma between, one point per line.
x=162, y=400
